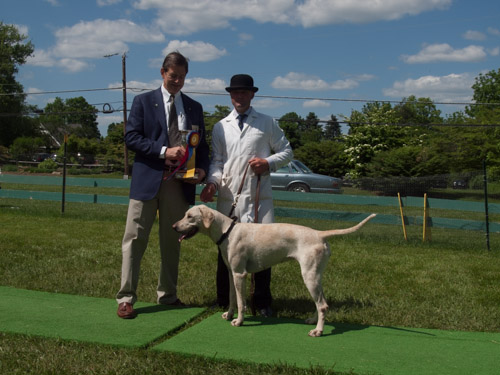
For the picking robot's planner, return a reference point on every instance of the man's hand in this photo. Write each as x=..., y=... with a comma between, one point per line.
x=207, y=194
x=201, y=176
x=174, y=153
x=259, y=165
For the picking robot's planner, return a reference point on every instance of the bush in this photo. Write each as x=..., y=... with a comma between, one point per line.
x=48, y=164
x=10, y=168
x=81, y=171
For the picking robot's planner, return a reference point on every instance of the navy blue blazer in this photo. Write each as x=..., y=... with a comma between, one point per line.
x=146, y=133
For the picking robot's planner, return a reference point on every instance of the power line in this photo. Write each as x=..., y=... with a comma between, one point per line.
x=104, y=111
x=138, y=89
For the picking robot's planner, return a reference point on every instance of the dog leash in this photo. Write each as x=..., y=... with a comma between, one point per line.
x=256, y=220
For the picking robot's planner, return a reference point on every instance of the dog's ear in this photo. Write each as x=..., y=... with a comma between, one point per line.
x=207, y=217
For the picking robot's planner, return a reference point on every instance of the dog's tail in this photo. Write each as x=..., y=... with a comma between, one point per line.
x=337, y=232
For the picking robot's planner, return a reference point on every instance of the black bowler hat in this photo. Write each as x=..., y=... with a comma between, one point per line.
x=241, y=82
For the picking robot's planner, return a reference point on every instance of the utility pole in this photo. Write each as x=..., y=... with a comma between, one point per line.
x=124, y=89
x=124, y=85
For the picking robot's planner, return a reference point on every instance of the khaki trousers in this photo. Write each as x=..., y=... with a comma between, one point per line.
x=171, y=205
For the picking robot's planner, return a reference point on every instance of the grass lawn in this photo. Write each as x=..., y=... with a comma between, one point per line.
x=374, y=277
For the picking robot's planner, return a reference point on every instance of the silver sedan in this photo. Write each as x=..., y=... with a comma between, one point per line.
x=295, y=176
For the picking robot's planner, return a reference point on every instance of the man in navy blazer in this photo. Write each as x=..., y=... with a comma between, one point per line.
x=152, y=132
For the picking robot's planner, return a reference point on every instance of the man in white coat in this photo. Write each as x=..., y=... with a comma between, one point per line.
x=245, y=137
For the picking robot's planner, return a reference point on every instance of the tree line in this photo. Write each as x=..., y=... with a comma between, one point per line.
x=409, y=139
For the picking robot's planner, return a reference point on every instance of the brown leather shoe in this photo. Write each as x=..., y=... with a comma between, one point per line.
x=126, y=311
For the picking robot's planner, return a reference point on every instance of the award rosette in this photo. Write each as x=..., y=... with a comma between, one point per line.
x=192, y=141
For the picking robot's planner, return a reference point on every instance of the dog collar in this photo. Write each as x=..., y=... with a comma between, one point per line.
x=226, y=233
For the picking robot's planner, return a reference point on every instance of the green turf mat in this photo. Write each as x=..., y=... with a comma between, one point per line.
x=362, y=349
x=85, y=318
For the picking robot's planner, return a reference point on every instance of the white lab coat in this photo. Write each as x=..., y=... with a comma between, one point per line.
x=232, y=149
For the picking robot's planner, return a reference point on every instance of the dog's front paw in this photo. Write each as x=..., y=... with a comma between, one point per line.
x=237, y=322
x=227, y=315
x=315, y=333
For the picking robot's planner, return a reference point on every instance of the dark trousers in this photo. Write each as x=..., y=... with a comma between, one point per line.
x=262, y=295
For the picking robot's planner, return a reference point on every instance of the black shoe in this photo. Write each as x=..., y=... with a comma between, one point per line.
x=266, y=312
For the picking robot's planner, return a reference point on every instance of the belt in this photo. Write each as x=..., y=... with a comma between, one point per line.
x=169, y=168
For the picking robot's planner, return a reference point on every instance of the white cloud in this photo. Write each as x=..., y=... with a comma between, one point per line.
x=73, y=65
x=444, y=52
x=244, y=38
x=323, y=12
x=494, y=31
x=191, y=84
x=447, y=89
x=195, y=51
x=474, y=35
x=494, y=51
x=316, y=103
x=300, y=81
x=181, y=18
x=103, y=3
x=204, y=84
x=77, y=44
x=22, y=29
x=41, y=58
x=267, y=103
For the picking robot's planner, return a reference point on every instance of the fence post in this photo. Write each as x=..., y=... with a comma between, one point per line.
x=485, y=178
x=64, y=174
x=402, y=217
x=427, y=230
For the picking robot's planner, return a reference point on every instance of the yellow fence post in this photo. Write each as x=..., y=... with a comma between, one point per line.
x=402, y=217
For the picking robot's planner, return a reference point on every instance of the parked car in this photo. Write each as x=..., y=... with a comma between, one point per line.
x=297, y=177
x=41, y=156
x=459, y=184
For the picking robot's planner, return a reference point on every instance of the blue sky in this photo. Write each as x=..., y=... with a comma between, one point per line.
x=321, y=56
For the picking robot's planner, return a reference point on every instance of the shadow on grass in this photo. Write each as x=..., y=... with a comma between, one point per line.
x=306, y=305
x=158, y=308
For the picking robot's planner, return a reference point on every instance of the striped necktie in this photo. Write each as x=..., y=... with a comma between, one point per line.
x=241, y=120
x=174, y=136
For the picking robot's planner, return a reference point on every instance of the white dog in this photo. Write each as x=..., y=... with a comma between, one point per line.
x=249, y=248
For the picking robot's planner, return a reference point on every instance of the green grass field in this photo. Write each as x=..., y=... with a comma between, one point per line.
x=374, y=277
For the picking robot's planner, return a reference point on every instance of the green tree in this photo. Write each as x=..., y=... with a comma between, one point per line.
x=289, y=123
x=72, y=116
x=80, y=150
x=410, y=161
x=221, y=111
x=111, y=149
x=310, y=129
x=332, y=129
x=84, y=114
x=486, y=90
x=413, y=111
x=370, y=132
x=24, y=148
x=327, y=157
x=14, y=50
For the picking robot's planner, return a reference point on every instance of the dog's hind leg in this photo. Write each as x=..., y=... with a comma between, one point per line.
x=321, y=308
x=312, y=274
